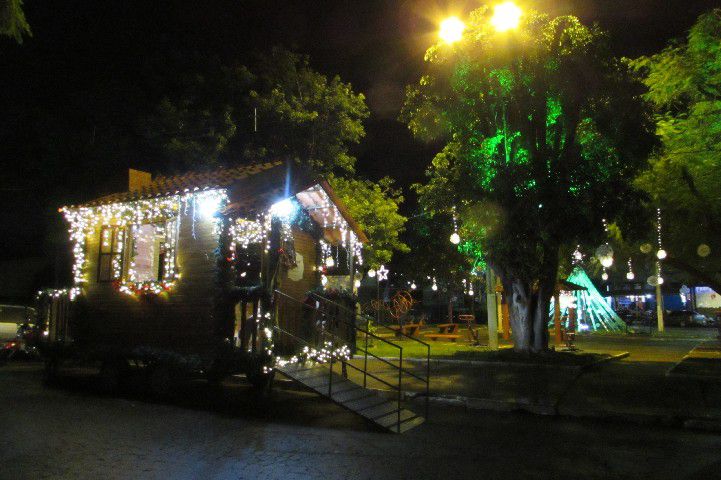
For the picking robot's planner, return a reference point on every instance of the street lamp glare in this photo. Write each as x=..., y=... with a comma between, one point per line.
x=506, y=16
x=451, y=30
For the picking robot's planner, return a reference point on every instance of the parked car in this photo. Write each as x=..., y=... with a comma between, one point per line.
x=18, y=333
x=687, y=318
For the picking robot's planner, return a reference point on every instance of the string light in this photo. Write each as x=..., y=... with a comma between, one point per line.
x=630, y=275
x=455, y=238
x=661, y=253
x=164, y=211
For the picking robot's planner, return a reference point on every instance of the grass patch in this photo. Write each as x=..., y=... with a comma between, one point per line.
x=465, y=351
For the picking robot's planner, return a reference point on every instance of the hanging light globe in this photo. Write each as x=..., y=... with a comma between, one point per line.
x=470, y=292
x=329, y=262
x=371, y=273
x=607, y=261
x=604, y=276
x=455, y=238
x=660, y=280
x=413, y=286
x=630, y=276
x=434, y=287
x=661, y=254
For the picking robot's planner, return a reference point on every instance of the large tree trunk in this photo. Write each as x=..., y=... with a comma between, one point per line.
x=529, y=305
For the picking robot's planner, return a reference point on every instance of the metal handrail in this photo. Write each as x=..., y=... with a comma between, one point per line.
x=333, y=357
x=397, y=332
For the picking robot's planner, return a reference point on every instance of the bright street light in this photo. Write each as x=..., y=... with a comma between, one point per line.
x=506, y=16
x=451, y=30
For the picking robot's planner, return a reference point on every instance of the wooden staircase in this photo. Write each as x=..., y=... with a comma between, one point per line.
x=364, y=402
x=308, y=355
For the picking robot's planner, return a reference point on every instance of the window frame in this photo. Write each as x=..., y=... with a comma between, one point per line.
x=113, y=253
x=160, y=255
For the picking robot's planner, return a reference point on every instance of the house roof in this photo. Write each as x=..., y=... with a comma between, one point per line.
x=251, y=188
x=201, y=180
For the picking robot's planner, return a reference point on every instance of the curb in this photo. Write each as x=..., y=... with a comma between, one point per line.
x=484, y=363
x=602, y=361
x=507, y=406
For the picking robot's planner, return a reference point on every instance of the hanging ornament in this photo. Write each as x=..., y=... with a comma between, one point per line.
x=646, y=248
x=604, y=254
x=703, y=250
x=604, y=276
x=455, y=238
x=577, y=256
x=630, y=275
x=661, y=254
x=371, y=273
x=329, y=262
x=383, y=273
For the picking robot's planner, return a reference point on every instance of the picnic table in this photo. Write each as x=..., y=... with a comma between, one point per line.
x=448, y=331
x=409, y=329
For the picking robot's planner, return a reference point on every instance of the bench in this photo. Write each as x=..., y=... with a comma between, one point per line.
x=411, y=329
x=436, y=336
x=449, y=328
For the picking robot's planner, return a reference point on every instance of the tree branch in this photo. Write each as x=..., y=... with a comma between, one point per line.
x=707, y=278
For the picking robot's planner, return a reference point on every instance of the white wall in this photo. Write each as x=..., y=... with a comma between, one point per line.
x=707, y=298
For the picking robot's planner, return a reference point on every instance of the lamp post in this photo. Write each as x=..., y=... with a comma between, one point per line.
x=506, y=16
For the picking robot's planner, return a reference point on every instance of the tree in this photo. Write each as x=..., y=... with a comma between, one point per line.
x=543, y=131
x=280, y=108
x=375, y=207
x=303, y=115
x=12, y=20
x=683, y=175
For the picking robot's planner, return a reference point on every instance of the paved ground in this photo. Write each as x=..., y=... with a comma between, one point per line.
x=636, y=387
x=72, y=432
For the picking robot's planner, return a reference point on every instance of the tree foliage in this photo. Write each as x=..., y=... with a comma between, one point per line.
x=543, y=129
x=279, y=108
x=683, y=175
x=374, y=205
x=12, y=20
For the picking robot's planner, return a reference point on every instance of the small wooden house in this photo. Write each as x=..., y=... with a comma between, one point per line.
x=186, y=266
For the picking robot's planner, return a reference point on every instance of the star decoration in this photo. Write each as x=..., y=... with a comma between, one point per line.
x=383, y=273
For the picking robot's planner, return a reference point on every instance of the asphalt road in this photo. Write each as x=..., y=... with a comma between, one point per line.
x=72, y=432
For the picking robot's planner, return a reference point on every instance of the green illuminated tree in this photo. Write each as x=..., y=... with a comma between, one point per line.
x=683, y=175
x=543, y=129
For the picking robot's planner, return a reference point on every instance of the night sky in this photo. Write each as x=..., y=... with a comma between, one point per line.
x=92, y=67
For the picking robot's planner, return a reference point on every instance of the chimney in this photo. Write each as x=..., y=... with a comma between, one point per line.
x=137, y=179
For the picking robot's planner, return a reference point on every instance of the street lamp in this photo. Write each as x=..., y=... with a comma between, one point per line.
x=506, y=16
x=451, y=30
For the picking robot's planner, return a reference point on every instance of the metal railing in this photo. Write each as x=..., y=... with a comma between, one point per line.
x=334, y=324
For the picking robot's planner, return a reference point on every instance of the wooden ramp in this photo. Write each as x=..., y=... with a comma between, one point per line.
x=364, y=402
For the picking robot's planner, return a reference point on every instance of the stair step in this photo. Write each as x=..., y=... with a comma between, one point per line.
x=410, y=423
x=355, y=394
x=390, y=420
x=379, y=411
x=353, y=397
x=365, y=403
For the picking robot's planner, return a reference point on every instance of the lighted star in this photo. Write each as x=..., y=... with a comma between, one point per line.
x=383, y=273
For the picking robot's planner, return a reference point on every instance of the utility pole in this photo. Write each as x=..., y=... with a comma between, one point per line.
x=659, y=299
x=492, y=309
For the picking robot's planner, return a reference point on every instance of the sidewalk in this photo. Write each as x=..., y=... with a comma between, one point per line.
x=635, y=388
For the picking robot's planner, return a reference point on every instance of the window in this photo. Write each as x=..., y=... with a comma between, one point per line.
x=110, y=260
x=149, y=252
